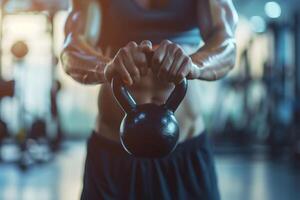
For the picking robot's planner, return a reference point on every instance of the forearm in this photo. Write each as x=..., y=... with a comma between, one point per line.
x=82, y=64
x=217, y=22
x=80, y=59
x=215, y=59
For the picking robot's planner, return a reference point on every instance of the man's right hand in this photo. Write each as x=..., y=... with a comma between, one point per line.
x=130, y=63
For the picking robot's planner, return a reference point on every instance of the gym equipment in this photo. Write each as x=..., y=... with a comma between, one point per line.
x=236, y=124
x=3, y=130
x=56, y=142
x=6, y=90
x=38, y=129
x=149, y=130
x=19, y=49
x=296, y=136
x=35, y=140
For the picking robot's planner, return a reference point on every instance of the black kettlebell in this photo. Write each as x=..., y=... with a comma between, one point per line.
x=149, y=130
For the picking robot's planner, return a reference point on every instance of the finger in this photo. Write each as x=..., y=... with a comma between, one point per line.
x=130, y=66
x=131, y=45
x=167, y=62
x=159, y=55
x=164, y=68
x=183, y=71
x=140, y=61
x=177, y=63
x=108, y=73
x=146, y=46
x=144, y=65
x=122, y=72
x=115, y=71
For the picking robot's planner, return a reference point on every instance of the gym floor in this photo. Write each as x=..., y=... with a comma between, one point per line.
x=240, y=178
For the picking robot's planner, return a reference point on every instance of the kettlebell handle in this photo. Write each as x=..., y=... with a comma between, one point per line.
x=177, y=95
x=122, y=95
x=127, y=102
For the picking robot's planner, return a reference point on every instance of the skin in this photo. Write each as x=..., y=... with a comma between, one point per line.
x=171, y=62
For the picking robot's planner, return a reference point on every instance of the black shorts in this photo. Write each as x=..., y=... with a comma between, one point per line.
x=187, y=174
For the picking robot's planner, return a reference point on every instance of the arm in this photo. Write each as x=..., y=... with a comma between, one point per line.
x=79, y=57
x=217, y=22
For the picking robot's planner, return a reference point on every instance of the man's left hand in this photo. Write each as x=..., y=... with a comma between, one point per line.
x=170, y=63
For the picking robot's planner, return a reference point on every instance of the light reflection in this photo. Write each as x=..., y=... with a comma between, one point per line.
x=273, y=9
x=258, y=24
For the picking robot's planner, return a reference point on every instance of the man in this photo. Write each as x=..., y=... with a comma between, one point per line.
x=110, y=38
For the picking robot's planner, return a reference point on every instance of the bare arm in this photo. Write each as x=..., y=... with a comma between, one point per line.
x=79, y=57
x=217, y=23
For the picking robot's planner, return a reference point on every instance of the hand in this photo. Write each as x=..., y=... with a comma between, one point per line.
x=171, y=63
x=129, y=63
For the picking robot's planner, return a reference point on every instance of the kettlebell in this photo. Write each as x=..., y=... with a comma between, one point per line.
x=148, y=130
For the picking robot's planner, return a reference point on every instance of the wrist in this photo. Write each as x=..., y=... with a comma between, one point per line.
x=196, y=72
x=202, y=73
x=208, y=74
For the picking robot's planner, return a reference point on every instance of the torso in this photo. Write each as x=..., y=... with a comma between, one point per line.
x=154, y=4
x=128, y=20
x=151, y=90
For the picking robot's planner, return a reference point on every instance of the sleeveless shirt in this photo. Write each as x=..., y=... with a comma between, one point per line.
x=123, y=21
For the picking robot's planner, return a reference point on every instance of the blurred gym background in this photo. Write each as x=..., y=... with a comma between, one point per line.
x=253, y=116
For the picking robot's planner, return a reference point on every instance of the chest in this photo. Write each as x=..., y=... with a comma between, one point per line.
x=147, y=12
x=151, y=4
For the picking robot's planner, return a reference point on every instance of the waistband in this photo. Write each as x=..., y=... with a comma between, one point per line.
x=97, y=141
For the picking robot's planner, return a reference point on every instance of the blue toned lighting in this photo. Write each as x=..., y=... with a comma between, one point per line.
x=273, y=9
x=258, y=24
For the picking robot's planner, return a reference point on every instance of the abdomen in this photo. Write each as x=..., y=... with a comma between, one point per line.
x=151, y=90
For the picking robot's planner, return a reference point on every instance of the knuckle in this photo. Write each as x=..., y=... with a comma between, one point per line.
x=173, y=46
x=166, y=42
x=172, y=49
x=122, y=51
x=131, y=44
x=127, y=52
x=179, y=52
x=146, y=42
